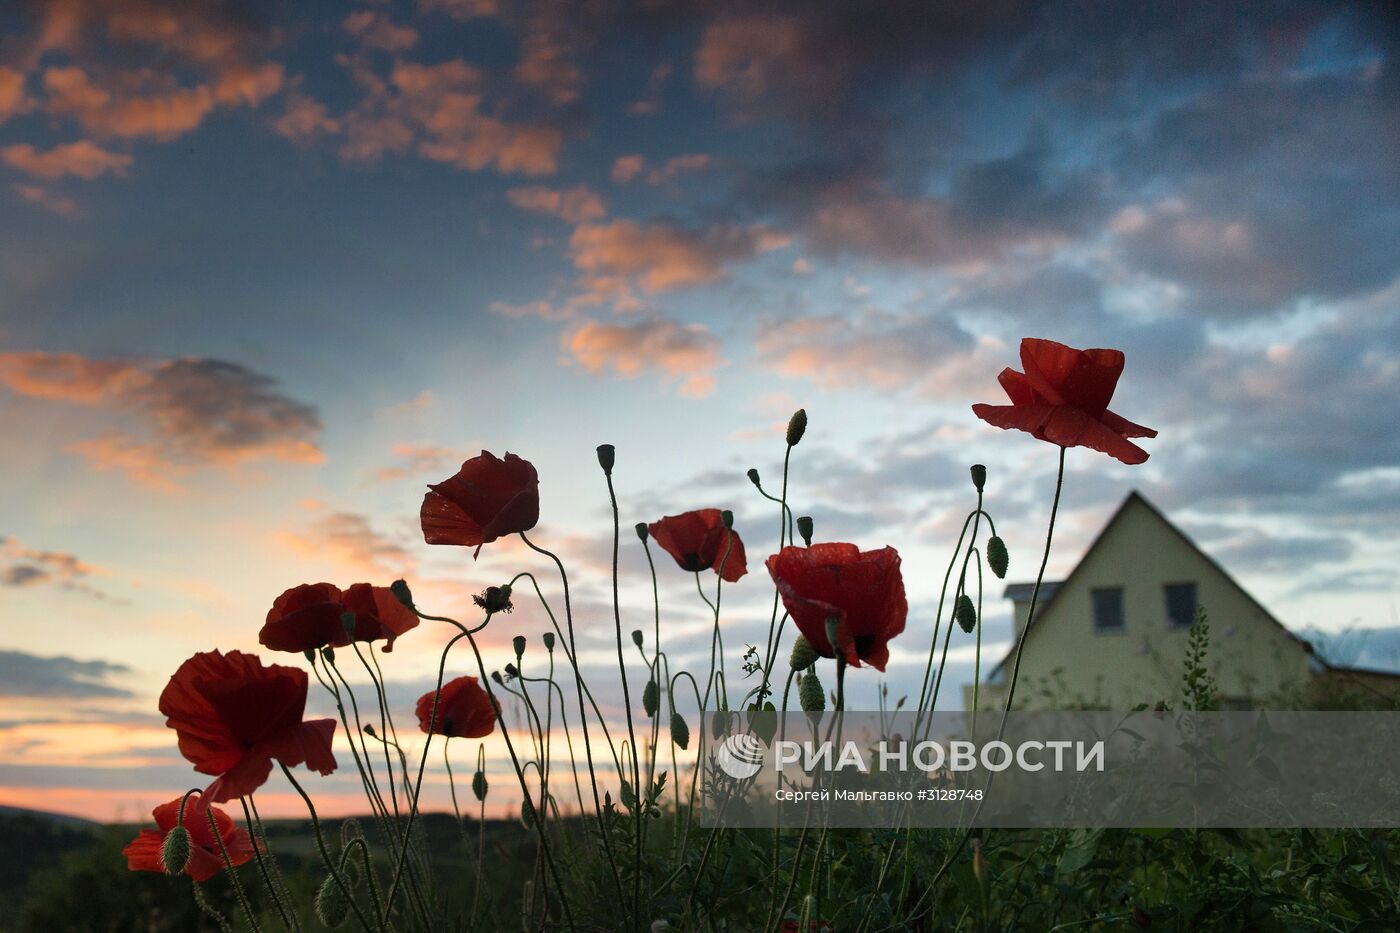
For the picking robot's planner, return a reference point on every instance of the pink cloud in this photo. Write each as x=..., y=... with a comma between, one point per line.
x=38, y=194
x=376, y=31
x=13, y=99
x=687, y=354
x=83, y=159
x=661, y=257
x=625, y=168
x=575, y=205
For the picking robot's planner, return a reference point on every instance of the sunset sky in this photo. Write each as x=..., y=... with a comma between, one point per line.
x=265, y=273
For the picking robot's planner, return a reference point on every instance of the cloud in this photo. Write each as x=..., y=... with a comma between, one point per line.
x=305, y=119
x=348, y=539
x=83, y=159
x=377, y=31
x=649, y=103
x=661, y=256
x=191, y=411
x=13, y=98
x=420, y=460
x=49, y=200
x=29, y=675
x=627, y=167
x=576, y=205
x=687, y=354
x=22, y=567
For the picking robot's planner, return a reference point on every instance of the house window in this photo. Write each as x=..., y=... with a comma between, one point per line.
x=1181, y=604
x=1108, y=609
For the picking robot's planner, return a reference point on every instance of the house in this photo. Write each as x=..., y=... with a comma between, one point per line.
x=1113, y=634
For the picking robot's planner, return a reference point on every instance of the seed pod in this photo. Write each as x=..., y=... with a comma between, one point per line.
x=810, y=693
x=637, y=637
x=727, y=517
x=641, y=528
x=803, y=654
x=979, y=476
x=518, y=643
x=680, y=732
x=479, y=785
x=651, y=698
x=548, y=641
x=965, y=613
x=804, y=528
x=347, y=622
x=607, y=454
x=402, y=593
x=332, y=903
x=753, y=476
x=175, y=850
x=797, y=426
x=997, y=558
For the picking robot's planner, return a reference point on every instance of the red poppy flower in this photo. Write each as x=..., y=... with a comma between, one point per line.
x=234, y=717
x=864, y=589
x=378, y=614
x=311, y=616
x=464, y=710
x=143, y=852
x=698, y=539
x=1062, y=397
x=487, y=499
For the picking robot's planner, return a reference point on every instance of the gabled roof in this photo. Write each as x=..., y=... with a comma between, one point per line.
x=1019, y=592
x=1048, y=591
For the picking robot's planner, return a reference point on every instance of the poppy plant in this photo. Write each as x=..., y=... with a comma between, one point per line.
x=699, y=541
x=1062, y=397
x=863, y=590
x=234, y=717
x=464, y=710
x=144, y=852
x=311, y=616
x=488, y=498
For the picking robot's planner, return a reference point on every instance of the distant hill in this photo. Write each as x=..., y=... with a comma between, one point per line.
x=8, y=812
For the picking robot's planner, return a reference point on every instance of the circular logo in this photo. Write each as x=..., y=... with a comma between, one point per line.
x=741, y=756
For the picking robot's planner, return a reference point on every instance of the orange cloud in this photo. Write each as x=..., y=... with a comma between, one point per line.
x=13, y=99
x=575, y=205
x=377, y=31
x=38, y=194
x=661, y=257
x=83, y=159
x=305, y=119
x=419, y=460
x=625, y=168
x=348, y=539
x=683, y=353
x=189, y=411
x=25, y=566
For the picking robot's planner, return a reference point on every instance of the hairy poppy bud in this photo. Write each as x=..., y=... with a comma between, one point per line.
x=175, y=850
x=804, y=528
x=402, y=593
x=810, y=693
x=479, y=785
x=651, y=698
x=637, y=637
x=727, y=517
x=979, y=476
x=641, y=531
x=803, y=654
x=548, y=641
x=606, y=455
x=965, y=613
x=997, y=558
x=332, y=903
x=518, y=643
x=753, y=476
x=797, y=426
x=680, y=732
x=347, y=622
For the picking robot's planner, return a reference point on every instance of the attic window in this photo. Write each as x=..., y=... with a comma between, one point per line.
x=1181, y=604
x=1108, y=609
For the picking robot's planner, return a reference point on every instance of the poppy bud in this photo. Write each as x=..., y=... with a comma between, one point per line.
x=753, y=476
x=719, y=722
x=997, y=558
x=518, y=643
x=651, y=698
x=804, y=528
x=965, y=613
x=680, y=732
x=797, y=426
x=979, y=476
x=641, y=531
x=512, y=671
x=402, y=593
x=310, y=654
x=369, y=729
x=810, y=693
x=332, y=903
x=803, y=654
x=479, y=785
x=548, y=641
x=347, y=622
x=328, y=654
x=637, y=637
x=606, y=455
x=175, y=850
x=727, y=517
x=496, y=676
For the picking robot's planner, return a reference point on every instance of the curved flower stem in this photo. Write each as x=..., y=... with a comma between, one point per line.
x=365, y=766
x=655, y=670
x=363, y=846
x=638, y=792
x=699, y=748
x=208, y=908
x=231, y=870
x=564, y=727
x=481, y=832
x=259, y=845
x=572, y=653
x=251, y=803
x=423, y=761
x=325, y=853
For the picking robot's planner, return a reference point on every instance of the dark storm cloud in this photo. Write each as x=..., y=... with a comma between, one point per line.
x=29, y=675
